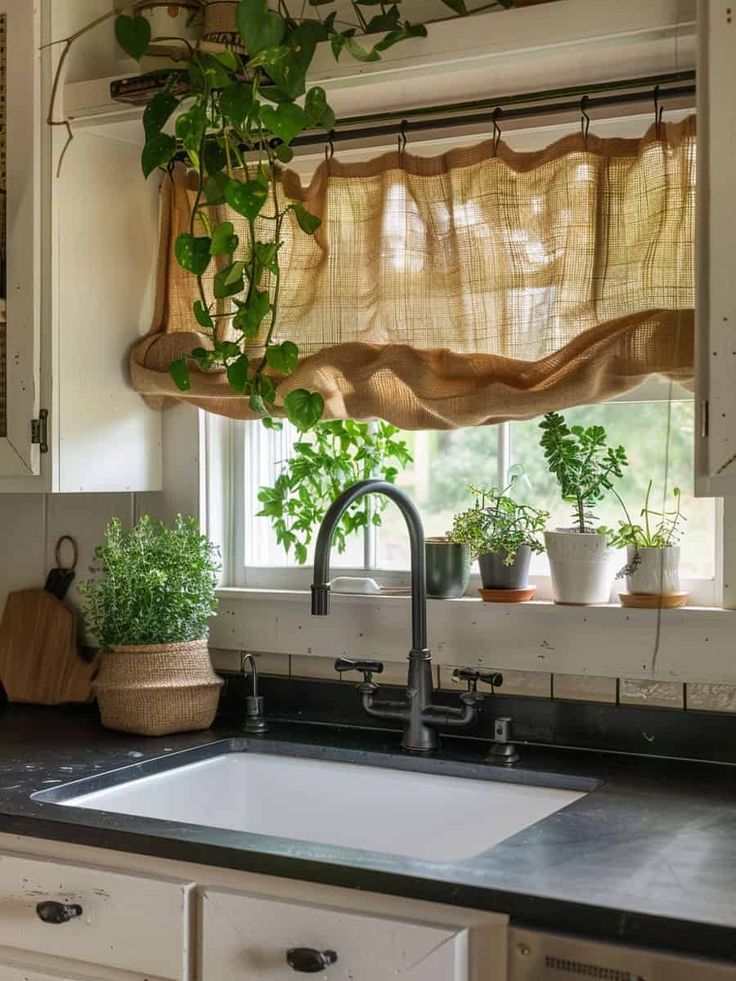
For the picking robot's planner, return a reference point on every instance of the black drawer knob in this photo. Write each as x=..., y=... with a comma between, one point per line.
x=51, y=912
x=306, y=960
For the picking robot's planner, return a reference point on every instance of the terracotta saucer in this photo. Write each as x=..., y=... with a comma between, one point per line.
x=507, y=595
x=650, y=601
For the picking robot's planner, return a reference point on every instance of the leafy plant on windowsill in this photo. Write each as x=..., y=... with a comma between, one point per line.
x=584, y=465
x=327, y=460
x=152, y=585
x=498, y=523
x=240, y=117
x=660, y=529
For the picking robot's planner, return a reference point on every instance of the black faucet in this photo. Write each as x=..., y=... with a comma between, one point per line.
x=421, y=716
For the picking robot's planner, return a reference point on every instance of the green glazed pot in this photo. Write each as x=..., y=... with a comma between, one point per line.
x=448, y=568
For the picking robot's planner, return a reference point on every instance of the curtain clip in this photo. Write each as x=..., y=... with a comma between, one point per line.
x=402, y=137
x=658, y=110
x=584, y=120
x=330, y=146
x=498, y=111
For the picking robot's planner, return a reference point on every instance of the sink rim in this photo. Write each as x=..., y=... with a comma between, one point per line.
x=436, y=764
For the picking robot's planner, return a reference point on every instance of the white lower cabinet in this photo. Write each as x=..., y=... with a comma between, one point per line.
x=257, y=939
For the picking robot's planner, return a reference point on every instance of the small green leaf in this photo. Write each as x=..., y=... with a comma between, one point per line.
x=285, y=121
x=268, y=389
x=191, y=127
x=359, y=52
x=203, y=316
x=250, y=317
x=237, y=374
x=229, y=281
x=246, y=198
x=284, y=153
x=319, y=112
x=214, y=188
x=193, y=254
x=270, y=423
x=304, y=408
x=337, y=43
x=157, y=113
x=224, y=239
x=259, y=27
x=289, y=74
x=308, y=222
x=236, y=102
x=133, y=35
x=267, y=255
x=179, y=371
x=402, y=34
x=157, y=152
x=284, y=358
x=215, y=73
x=257, y=404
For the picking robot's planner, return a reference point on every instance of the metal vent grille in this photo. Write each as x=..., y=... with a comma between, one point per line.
x=581, y=969
x=3, y=251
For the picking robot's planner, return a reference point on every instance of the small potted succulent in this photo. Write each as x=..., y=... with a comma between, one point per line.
x=502, y=534
x=652, y=567
x=148, y=605
x=585, y=468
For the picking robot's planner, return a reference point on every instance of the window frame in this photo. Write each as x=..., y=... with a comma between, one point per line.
x=235, y=456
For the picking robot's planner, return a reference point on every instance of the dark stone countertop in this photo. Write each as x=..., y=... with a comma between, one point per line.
x=647, y=858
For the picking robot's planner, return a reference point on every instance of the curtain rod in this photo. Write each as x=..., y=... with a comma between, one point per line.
x=524, y=105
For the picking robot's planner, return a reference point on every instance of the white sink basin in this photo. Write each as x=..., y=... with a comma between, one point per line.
x=420, y=815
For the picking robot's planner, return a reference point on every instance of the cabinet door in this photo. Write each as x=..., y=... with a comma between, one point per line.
x=248, y=938
x=715, y=349
x=20, y=176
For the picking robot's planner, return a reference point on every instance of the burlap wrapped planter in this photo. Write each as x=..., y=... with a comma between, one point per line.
x=221, y=27
x=158, y=689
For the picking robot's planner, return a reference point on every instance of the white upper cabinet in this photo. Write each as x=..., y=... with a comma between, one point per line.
x=81, y=258
x=22, y=183
x=716, y=296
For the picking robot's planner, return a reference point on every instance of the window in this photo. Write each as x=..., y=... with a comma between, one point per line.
x=657, y=432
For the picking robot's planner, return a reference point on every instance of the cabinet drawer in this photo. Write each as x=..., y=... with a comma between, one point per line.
x=127, y=922
x=246, y=938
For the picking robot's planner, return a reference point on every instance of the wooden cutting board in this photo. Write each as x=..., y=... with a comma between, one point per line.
x=39, y=659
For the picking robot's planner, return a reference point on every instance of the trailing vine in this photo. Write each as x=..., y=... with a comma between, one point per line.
x=235, y=124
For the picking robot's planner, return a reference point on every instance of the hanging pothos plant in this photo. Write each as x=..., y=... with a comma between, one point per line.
x=235, y=124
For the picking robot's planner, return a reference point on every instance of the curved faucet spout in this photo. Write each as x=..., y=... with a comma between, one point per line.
x=321, y=585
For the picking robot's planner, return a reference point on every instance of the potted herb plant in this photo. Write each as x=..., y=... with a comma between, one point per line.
x=148, y=605
x=585, y=468
x=652, y=567
x=502, y=534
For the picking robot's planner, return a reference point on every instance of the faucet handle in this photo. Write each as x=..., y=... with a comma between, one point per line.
x=471, y=676
x=369, y=668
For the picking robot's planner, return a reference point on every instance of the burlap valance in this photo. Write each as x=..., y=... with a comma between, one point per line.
x=468, y=288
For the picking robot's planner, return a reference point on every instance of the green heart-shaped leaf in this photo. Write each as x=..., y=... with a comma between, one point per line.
x=304, y=409
x=249, y=317
x=236, y=102
x=229, y=281
x=237, y=374
x=193, y=254
x=259, y=27
x=214, y=188
x=246, y=198
x=285, y=121
x=459, y=6
x=318, y=110
x=224, y=240
x=157, y=113
x=157, y=152
x=308, y=222
x=179, y=371
x=267, y=256
x=289, y=74
x=284, y=358
x=190, y=128
x=133, y=35
x=203, y=316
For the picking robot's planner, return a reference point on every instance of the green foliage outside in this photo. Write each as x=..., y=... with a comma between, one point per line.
x=152, y=584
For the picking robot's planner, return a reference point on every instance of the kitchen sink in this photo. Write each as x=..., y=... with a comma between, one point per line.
x=430, y=815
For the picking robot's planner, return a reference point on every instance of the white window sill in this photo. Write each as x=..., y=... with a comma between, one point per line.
x=695, y=643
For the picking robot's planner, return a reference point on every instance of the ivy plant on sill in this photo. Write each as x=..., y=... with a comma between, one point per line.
x=239, y=120
x=330, y=458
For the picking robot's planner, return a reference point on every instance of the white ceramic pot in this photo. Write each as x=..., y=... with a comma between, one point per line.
x=580, y=566
x=654, y=571
x=173, y=20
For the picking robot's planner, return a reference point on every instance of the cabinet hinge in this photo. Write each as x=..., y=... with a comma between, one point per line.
x=705, y=419
x=39, y=431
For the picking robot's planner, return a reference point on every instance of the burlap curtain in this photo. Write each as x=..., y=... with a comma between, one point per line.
x=468, y=288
